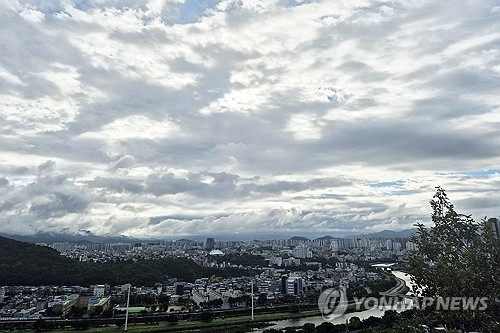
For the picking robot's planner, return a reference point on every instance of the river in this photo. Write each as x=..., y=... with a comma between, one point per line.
x=317, y=320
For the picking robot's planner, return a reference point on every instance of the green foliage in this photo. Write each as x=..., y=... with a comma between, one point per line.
x=308, y=328
x=239, y=301
x=457, y=257
x=325, y=327
x=214, y=303
x=172, y=319
x=207, y=316
x=164, y=307
x=77, y=312
x=355, y=323
x=357, y=290
x=28, y=264
x=244, y=259
x=262, y=299
x=96, y=310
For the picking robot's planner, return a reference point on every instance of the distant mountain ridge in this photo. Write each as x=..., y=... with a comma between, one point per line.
x=86, y=236
x=47, y=237
x=299, y=238
x=324, y=238
x=406, y=233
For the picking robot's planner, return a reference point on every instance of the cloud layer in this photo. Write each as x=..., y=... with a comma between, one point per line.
x=169, y=118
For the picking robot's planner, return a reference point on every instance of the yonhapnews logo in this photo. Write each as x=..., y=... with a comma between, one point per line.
x=332, y=303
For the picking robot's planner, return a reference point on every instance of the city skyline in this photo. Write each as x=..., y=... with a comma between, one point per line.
x=188, y=119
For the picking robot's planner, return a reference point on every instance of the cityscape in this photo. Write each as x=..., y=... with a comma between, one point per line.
x=250, y=166
x=273, y=276
x=289, y=271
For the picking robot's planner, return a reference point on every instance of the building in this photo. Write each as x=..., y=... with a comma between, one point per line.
x=215, y=253
x=210, y=244
x=276, y=261
x=159, y=288
x=179, y=288
x=303, y=252
x=83, y=302
x=62, y=305
x=283, y=283
x=263, y=286
x=99, y=290
x=494, y=225
x=99, y=304
x=410, y=246
x=294, y=286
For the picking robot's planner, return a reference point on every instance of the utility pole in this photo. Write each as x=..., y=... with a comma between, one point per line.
x=128, y=303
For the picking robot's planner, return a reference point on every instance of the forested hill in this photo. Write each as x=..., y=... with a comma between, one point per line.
x=28, y=264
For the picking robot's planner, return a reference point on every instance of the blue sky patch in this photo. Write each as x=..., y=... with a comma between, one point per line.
x=396, y=183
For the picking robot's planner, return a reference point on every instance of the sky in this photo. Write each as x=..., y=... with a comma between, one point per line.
x=249, y=118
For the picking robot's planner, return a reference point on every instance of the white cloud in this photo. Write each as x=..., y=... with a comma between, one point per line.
x=32, y=15
x=249, y=116
x=135, y=127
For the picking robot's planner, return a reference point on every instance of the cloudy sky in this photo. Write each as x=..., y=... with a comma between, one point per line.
x=170, y=118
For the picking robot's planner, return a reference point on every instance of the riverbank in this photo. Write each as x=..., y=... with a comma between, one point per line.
x=231, y=325
x=404, y=283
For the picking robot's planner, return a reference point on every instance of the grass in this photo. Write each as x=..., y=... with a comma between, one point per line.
x=132, y=309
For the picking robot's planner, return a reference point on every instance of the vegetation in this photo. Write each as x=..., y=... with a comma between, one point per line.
x=28, y=264
x=458, y=257
x=358, y=290
x=244, y=259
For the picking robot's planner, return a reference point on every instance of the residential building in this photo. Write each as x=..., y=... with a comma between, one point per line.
x=294, y=286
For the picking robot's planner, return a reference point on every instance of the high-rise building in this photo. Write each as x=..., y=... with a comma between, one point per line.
x=283, y=283
x=179, y=288
x=210, y=244
x=410, y=246
x=303, y=252
x=494, y=225
x=294, y=286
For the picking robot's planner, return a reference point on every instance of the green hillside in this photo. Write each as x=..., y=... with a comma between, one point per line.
x=28, y=264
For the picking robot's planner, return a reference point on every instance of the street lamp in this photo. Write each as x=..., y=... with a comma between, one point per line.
x=128, y=303
x=252, y=301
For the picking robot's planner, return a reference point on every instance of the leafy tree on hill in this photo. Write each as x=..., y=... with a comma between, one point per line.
x=458, y=257
x=244, y=259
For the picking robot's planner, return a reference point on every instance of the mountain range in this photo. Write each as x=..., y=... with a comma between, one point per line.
x=86, y=236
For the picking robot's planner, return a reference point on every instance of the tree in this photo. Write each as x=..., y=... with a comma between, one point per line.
x=457, y=257
x=206, y=316
x=164, y=307
x=355, y=323
x=262, y=299
x=96, y=310
x=325, y=327
x=308, y=328
x=39, y=324
x=172, y=319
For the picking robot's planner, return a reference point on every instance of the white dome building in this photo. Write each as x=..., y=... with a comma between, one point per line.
x=216, y=253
